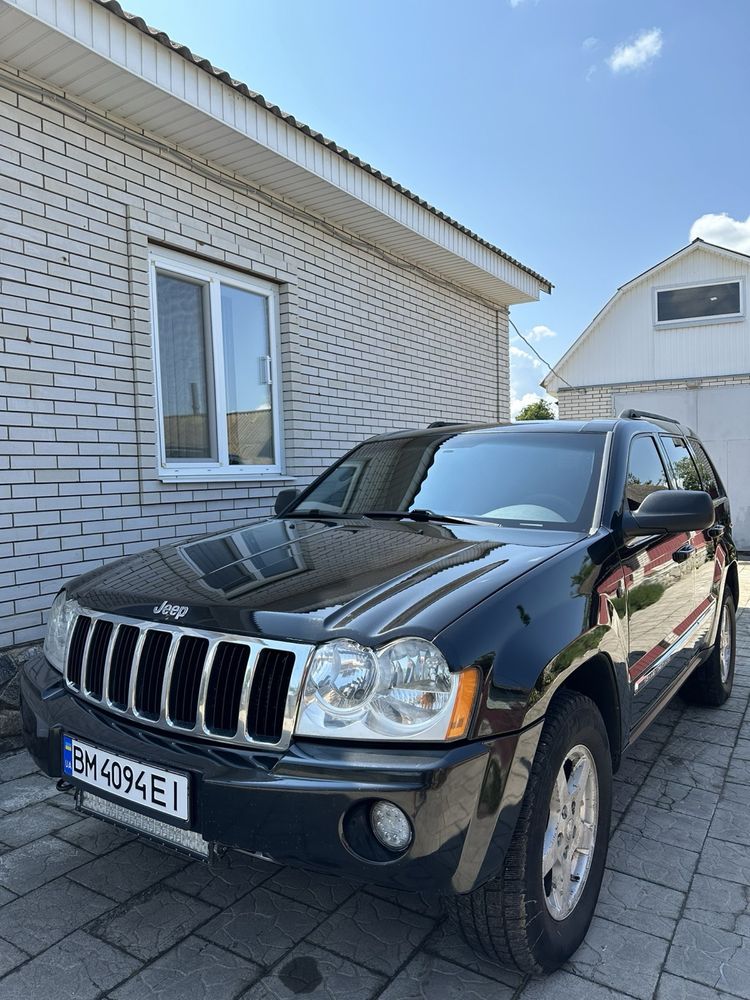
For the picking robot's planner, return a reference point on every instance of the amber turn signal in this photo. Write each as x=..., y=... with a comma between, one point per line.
x=468, y=685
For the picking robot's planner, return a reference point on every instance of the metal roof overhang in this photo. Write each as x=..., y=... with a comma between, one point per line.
x=91, y=54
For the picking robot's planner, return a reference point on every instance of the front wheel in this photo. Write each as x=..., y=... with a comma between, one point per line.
x=711, y=684
x=535, y=914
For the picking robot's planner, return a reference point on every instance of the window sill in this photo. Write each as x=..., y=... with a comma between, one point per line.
x=226, y=478
x=676, y=324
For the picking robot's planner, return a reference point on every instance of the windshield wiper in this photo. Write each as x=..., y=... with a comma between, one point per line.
x=420, y=514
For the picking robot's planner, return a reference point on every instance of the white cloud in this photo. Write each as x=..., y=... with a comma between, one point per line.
x=537, y=333
x=520, y=354
x=630, y=56
x=589, y=43
x=590, y=73
x=723, y=230
x=517, y=404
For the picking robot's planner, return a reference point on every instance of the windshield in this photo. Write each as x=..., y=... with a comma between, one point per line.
x=521, y=479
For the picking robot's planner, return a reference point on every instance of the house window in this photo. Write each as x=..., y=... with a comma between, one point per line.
x=216, y=365
x=693, y=303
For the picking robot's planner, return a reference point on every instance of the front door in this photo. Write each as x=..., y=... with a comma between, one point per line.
x=660, y=587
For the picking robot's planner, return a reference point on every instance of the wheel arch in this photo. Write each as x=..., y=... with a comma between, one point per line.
x=733, y=582
x=596, y=679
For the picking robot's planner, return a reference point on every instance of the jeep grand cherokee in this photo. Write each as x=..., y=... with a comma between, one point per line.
x=422, y=672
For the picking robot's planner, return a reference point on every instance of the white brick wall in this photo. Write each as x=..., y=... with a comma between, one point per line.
x=369, y=344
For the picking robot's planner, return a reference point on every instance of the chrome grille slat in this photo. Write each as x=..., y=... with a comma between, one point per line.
x=180, y=675
x=200, y=721
x=167, y=679
x=108, y=661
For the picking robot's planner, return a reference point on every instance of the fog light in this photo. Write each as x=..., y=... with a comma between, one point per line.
x=391, y=826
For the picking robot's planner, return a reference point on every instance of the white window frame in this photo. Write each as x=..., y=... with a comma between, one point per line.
x=214, y=275
x=699, y=320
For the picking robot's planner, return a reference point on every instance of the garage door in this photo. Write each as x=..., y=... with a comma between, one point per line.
x=721, y=417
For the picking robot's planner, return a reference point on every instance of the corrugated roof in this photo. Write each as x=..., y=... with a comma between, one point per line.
x=163, y=38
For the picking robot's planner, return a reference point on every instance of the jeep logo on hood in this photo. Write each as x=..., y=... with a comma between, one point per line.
x=175, y=611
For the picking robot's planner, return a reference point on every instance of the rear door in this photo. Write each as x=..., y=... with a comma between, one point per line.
x=660, y=585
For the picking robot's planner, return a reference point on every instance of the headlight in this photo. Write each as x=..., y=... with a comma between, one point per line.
x=401, y=691
x=61, y=618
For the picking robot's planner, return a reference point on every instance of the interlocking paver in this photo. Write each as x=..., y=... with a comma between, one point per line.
x=21, y=792
x=222, y=882
x=638, y=904
x=676, y=988
x=262, y=926
x=665, y=826
x=26, y=868
x=711, y=956
x=86, y=911
x=326, y=892
x=718, y=903
x=19, y=828
x=316, y=974
x=620, y=957
x=16, y=765
x=647, y=859
x=46, y=915
x=92, y=835
x=149, y=924
x=426, y=976
x=684, y=799
x=374, y=932
x=564, y=985
x=722, y=859
x=127, y=870
x=194, y=970
x=77, y=968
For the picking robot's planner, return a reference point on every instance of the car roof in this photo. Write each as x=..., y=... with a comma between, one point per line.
x=599, y=425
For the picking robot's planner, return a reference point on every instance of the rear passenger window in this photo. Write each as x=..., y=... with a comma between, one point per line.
x=686, y=474
x=646, y=472
x=709, y=478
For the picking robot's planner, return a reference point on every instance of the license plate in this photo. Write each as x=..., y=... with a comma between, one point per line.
x=162, y=791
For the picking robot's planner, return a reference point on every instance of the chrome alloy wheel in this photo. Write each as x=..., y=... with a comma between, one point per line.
x=725, y=645
x=571, y=832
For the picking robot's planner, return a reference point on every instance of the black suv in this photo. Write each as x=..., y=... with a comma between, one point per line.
x=422, y=672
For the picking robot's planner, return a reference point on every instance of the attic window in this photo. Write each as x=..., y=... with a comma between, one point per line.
x=693, y=303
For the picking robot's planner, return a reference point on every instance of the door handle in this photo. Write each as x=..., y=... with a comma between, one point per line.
x=683, y=553
x=715, y=531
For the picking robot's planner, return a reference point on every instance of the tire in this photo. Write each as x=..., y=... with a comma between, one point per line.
x=509, y=918
x=711, y=684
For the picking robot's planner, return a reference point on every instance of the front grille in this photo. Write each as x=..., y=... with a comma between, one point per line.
x=225, y=688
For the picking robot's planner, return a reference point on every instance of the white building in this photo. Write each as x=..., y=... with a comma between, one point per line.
x=675, y=340
x=202, y=300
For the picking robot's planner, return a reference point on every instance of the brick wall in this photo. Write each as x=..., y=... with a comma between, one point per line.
x=368, y=343
x=598, y=400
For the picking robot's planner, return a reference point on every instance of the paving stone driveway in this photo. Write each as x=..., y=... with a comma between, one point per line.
x=87, y=912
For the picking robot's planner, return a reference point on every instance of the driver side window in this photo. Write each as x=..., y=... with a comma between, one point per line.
x=646, y=472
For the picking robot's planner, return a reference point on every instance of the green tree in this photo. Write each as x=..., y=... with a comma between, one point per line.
x=540, y=409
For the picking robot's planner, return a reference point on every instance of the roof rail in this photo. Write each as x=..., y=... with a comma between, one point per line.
x=446, y=423
x=636, y=414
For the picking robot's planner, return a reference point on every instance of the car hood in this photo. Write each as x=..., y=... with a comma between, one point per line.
x=310, y=580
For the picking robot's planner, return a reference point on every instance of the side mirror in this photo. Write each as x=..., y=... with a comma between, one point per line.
x=285, y=499
x=671, y=511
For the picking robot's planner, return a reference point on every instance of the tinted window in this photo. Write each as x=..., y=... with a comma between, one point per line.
x=517, y=478
x=685, y=474
x=709, y=479
x=645, y=471
x=698, y=301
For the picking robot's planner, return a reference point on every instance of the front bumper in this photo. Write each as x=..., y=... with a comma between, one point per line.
x=307, y=806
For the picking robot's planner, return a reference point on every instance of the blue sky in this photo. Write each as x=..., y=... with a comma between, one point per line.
x=584, y=137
